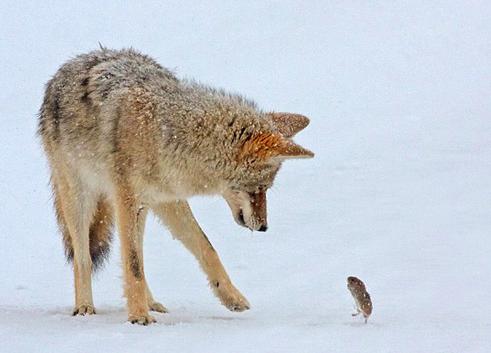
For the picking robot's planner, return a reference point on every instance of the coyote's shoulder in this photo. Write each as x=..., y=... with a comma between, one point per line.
x=124, y=135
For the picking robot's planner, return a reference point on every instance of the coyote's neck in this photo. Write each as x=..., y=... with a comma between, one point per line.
x=205, y=133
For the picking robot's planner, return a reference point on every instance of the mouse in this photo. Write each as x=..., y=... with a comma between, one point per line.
x=360, y=295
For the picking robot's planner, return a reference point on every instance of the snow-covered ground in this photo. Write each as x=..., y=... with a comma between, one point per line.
x=399, y=192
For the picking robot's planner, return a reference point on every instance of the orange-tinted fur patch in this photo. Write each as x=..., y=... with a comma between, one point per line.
x=268, y=145
x=261, y=146
x=258, y=204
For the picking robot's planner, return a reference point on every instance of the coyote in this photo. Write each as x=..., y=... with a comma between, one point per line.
x=123, y=135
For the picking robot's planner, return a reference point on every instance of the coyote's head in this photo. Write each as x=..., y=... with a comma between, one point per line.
x=259, y=158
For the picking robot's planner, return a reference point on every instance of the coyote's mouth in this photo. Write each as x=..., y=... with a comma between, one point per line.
x=240, y=219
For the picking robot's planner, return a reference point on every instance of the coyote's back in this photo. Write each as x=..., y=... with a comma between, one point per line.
x=83, y=97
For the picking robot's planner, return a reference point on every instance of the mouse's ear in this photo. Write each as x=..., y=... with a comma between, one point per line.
x=268, y=147
x=288, y=124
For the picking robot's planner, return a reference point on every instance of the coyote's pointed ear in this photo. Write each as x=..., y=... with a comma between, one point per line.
x=288, y=124
x=269, y=146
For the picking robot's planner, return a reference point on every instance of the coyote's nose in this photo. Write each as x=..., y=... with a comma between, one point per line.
x=263, y=228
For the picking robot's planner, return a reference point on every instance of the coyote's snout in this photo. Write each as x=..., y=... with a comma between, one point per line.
x=248, y=208
x=124, y=136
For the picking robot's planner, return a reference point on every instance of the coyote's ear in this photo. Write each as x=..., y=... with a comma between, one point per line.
x=268, y=147
x=288, y=124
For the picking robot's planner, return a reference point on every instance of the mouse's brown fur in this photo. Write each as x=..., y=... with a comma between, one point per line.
x=361, y=297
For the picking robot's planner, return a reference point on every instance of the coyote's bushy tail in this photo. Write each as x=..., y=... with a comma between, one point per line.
x=100, y=232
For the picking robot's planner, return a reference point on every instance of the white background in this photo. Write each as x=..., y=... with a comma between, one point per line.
x=399, y=192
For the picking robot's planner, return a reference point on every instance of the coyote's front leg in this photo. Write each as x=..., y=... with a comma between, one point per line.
x=141, y=217
x=131, y=218
x=177, y=216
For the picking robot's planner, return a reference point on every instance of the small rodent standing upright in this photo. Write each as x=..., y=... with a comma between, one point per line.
x=361, y=296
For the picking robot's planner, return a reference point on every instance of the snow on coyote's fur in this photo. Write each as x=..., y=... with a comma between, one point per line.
x=123, y=136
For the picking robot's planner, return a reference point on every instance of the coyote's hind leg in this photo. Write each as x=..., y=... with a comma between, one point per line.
x=76, y=208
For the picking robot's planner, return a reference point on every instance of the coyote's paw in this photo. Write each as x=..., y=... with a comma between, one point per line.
x=84, y=309
x=231, y=297
x=156, y=306
x=144, y=319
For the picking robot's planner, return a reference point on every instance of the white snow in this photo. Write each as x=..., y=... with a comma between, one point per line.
x=399, y=192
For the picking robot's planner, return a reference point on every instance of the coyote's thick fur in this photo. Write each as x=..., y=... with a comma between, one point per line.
x=123, y=136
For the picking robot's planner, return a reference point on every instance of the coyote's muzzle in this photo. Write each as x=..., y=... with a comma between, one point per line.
x=248, y=208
